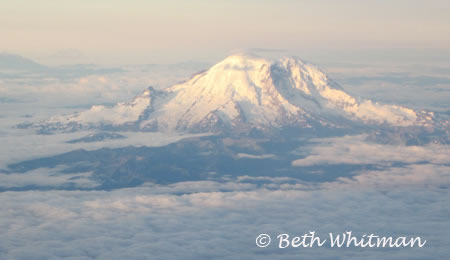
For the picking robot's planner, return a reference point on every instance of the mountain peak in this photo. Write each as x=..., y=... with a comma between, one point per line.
x=244, y=92
x=249, y=61
x=242, y=60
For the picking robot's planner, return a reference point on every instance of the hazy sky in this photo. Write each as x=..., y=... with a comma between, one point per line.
x=141, y=30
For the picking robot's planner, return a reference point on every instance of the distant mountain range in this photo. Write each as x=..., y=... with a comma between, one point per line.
x=16, y=66
x=10, y=61
x=245, y=94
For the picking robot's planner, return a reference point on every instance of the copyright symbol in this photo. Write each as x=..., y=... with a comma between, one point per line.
x=263, y=240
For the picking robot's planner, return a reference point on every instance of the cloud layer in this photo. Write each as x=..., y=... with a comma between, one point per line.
x=140, y=223
x=407, y=194
x=355, y=150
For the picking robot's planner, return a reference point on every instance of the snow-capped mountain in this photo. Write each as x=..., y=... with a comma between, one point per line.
x=241, y=93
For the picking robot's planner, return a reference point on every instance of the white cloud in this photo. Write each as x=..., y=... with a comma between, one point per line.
x=354, y=150
x=19, y=145
x=135, y=223
x=88, y=85
x=415, y=175
x=45, y=177
x=254, y=156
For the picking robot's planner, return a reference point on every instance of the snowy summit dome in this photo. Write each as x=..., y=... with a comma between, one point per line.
x=243, y=92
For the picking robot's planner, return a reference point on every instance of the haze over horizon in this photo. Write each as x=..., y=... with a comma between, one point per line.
x=114, y=32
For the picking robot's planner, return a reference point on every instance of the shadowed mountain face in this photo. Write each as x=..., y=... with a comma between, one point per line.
x=260, y=110
x=243, y=94
x=214, y=158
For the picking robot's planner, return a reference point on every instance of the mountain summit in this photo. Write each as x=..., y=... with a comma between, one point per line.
x=242, y=93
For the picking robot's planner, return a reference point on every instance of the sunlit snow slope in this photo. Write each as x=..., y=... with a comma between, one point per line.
x=241, y=93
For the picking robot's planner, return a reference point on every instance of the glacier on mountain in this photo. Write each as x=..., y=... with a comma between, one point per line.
x=241, y=93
